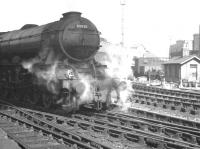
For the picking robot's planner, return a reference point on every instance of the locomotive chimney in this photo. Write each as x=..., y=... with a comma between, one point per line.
x=72, y=14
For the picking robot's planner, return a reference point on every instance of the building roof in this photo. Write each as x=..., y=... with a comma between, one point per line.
x=182, y=60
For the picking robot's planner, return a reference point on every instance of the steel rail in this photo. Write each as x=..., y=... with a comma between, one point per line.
x=166, y=103
x=121, y=130
x=161, y=130
x=149, y=126
x=50, y=128
x=161, y=119
x=167, y=91
x=170, y=98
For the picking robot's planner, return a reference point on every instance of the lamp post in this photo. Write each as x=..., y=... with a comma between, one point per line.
x=122, y=3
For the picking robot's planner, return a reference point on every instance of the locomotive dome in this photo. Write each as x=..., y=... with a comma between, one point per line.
x=79, y=39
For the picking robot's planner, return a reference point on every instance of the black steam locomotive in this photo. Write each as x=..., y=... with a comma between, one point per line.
x=54, y=64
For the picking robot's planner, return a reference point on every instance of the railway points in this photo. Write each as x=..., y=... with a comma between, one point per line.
x=140, y=127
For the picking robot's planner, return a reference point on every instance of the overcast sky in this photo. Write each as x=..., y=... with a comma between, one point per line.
x=153, y=23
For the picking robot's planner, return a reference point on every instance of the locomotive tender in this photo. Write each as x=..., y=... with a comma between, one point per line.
x=46, y=64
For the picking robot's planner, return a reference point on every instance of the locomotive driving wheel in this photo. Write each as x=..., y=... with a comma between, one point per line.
x=108, y=100
x=32, y=96
x=4, y=93
x=48, y=100
x=9, y=94
x=75, y=103
x=35, y=96
x=111, y=97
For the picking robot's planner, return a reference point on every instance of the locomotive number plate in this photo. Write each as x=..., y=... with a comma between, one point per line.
x=81, y=26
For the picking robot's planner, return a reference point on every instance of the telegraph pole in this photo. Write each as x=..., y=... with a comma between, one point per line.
x=122, y=3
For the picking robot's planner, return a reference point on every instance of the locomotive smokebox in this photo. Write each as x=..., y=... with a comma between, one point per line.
x=79, y=39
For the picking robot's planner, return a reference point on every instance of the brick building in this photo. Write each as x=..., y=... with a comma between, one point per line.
x=180, y=49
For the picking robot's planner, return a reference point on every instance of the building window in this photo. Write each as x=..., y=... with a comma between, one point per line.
x=193, y=65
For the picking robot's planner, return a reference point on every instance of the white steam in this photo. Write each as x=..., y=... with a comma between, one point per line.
x=45, y=76
x=87, y=93
x=119, y=61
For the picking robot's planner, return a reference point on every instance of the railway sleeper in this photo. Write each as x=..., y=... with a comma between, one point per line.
x=165, y=106
x=193, y=112
x=172, y=134
x=196, y=107
x=174, y=120
x=150, y=115
x=154, y=129
x=188, y=123
x=198, y=125
x=183, y=110
x=98, y=129
x=173, y=146
x=137, y=126
x=115, y=134
x=140, y=113
x=189, y=138
x=198, y=140
x=135, y=138
x=153, y=143
x=161, y=117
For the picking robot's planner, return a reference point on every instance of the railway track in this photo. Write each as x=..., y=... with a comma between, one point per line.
x=124, y=132
x=27, y=137
x=139, y=129
x=35, y=132
x=164, y=129
x=165, y=102
x=155, y=117
x=168, y=99
x=177, y=93
x=133, y=125
x=178, y=96
x=166, y=107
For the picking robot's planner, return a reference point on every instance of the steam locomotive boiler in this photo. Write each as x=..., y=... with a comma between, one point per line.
x=53, y=64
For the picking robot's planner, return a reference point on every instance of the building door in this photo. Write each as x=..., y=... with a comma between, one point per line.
x=193, y=72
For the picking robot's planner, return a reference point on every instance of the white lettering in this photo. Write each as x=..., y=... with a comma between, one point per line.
x=81, y=26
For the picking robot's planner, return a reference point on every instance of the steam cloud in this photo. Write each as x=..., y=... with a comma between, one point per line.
x=119, y=61
x=45, y=76
x=118, y=73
